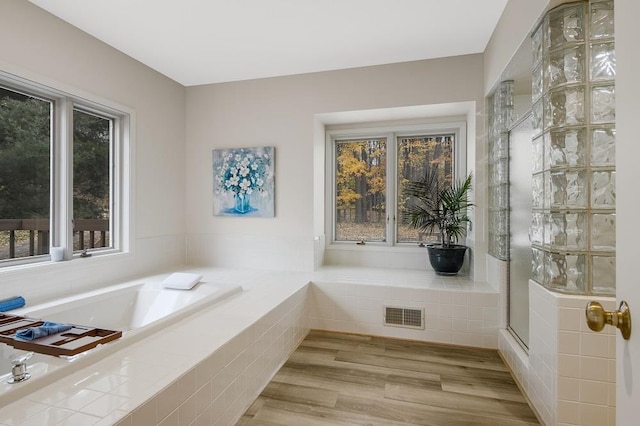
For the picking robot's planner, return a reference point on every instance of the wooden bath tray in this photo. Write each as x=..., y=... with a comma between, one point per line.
x=70, y=342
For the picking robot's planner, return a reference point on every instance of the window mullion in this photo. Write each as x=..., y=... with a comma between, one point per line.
x=330, y=184
x=62, y=211
x=391, y=209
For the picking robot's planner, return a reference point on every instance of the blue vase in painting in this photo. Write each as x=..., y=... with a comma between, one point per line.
x=242, y=203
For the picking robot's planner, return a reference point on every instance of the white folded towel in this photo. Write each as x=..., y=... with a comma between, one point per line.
x=181, y=280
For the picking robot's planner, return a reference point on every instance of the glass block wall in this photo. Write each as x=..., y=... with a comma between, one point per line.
x=500, y=118
x=573, y=226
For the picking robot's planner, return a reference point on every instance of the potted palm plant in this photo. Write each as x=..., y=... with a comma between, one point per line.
x=436, y=206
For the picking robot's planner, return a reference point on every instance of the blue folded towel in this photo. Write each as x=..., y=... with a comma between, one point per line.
x=11, y=303
x=46, y=329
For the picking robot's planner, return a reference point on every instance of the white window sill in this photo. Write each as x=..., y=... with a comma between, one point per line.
x=375, y=246
x=37, y=265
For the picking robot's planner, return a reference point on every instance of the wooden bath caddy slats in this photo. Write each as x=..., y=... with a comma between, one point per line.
x=70, y=342
x=10, y=328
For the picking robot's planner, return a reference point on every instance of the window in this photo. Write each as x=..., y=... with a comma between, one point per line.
x=369, y=170
x=416, y=154
x=60, y=172
x=361, y=169
x=92, y=180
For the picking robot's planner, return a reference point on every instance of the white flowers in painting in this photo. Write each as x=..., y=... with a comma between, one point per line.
x=242, y=172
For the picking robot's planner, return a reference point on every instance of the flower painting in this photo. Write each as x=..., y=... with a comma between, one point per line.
x=243, y=182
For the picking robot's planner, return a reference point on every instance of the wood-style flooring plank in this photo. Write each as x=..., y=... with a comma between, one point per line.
x=255, y=407
x=290, y=414
x=443, y=349
x=346, y=379
x=300, y=394
x=419, y=414
x=249, y=415
x=461, y=402
x=300, y=378
x=346, y=345
x=420, y=366
x=501, y=389
x=303, y=356
x=315, y=334
x=452, y=358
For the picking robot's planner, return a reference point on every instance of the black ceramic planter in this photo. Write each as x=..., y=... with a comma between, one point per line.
x=446, y=261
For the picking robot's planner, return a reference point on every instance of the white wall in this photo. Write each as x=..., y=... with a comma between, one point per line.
x=41, y=47
x=280, y=112
x=515, y=25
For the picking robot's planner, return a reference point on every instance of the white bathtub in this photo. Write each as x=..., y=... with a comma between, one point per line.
x=137, y=309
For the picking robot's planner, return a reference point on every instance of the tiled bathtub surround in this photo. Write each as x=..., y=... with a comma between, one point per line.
x=569, y=373
x=205, y=369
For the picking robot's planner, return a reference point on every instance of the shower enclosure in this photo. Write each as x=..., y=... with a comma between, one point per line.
x=520, y=219
x=510, y=199
x=556, y=226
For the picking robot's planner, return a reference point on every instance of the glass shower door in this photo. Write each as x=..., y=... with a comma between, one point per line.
x=520, y=219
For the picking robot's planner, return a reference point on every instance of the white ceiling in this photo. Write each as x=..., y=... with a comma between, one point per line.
x=210, y=41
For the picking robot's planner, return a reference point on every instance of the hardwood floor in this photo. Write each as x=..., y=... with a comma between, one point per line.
x=344, y=379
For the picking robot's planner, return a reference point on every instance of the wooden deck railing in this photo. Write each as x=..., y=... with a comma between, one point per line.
x=90, y=227
x=39, y=234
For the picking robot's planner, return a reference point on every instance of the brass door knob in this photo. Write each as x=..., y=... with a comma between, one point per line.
x=598, y=317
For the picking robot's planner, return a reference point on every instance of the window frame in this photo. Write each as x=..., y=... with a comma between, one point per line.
x=63, y=103
x=458, y=128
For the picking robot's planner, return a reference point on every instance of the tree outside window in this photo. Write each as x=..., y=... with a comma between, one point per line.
x=361, y=190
